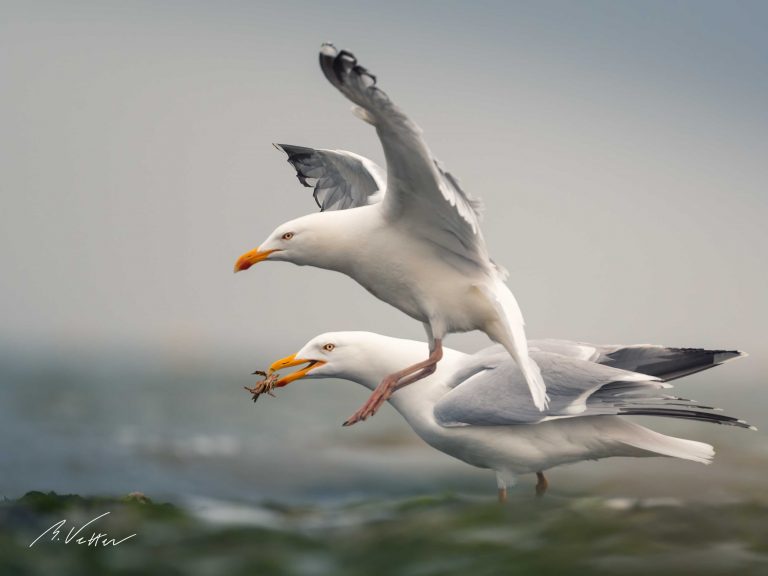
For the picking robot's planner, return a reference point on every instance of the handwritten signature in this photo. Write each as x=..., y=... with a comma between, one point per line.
x=95, y=539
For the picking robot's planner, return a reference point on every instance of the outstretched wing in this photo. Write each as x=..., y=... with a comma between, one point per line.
x=499, y=395
x=662, y=362
x=495, y=393
x=341, y=179
x=420, y=192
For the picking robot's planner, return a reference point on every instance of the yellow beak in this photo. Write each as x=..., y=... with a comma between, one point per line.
x=289, y=361
x=250, y=258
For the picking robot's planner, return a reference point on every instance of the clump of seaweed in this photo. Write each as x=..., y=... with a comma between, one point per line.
x=264, y=386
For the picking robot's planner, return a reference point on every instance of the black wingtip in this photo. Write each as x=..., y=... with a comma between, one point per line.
x=327, y=56
x=687, y=415
x=336, y=64
x=292, y=150
x=295, y=155
x=723, y=356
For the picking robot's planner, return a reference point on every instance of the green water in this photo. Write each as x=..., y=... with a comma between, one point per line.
x=445, y=535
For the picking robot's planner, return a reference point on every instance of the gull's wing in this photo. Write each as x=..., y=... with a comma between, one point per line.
x=341, y=179
x=420, y=192
x=497, y=394
x=579, y=350
x=629, y=400
x=662, y=362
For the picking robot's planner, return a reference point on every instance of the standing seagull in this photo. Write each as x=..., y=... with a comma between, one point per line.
x=414, y=243
x=476, y=407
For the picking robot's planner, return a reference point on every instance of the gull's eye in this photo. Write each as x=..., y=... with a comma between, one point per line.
x=329, y=347
x=287, y=235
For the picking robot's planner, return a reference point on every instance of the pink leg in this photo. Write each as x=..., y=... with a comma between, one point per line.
x=423, y=373
x=541, y=484
x=395, y=381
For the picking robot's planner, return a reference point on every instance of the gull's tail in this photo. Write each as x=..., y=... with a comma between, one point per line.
x=645, y=439
x=509, y=331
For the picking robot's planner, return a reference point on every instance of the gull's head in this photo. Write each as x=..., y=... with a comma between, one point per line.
x=330, y=355
x=295, y=241
x=357, y=356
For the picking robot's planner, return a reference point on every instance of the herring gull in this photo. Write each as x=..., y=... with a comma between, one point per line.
x=477, y=409
x=411, y=237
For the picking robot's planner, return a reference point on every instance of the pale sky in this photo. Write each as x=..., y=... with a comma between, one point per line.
x=621, y=150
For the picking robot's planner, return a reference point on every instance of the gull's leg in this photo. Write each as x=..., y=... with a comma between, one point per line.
x=503, y=481
x=402, y=383
x=397, y=380
x=423, y=373
x=541, y=484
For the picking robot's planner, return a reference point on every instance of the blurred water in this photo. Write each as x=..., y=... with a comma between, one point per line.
x=439, y=535
x=180, y=426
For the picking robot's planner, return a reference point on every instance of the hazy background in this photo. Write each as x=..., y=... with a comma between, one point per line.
x=620, y=148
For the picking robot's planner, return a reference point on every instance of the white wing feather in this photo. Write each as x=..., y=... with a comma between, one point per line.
x=419, y=189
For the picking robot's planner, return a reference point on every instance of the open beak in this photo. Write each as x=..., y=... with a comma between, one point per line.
x=289, y=361
x=250, y=258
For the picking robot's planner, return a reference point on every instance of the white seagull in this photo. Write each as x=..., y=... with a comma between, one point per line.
x=477, y=408
x=411, y=238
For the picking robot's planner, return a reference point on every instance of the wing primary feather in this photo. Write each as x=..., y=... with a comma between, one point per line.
x=340, y=179
x=687, y=415
x=420, y=188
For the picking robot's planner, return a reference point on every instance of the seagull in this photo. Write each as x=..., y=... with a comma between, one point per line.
x=410, y=236
x=477, y=409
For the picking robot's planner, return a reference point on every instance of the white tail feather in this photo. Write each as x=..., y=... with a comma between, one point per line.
x=645, y=439
x=512, y=337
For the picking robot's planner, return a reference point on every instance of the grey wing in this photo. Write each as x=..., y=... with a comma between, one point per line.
x=341, y=179
x=419, y=188
x=666, y=364
x=499, y=395
x=568, y=348
x=492, y=397
x=626, y=399
x=495, y=393
x=662, y=362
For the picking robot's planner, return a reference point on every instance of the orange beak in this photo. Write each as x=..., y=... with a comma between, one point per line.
x=289, y=361
x=250, y=258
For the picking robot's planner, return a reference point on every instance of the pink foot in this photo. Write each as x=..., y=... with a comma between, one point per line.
x=370, y=407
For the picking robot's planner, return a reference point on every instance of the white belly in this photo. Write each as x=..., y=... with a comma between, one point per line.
x=415, y=278
x=529, y=448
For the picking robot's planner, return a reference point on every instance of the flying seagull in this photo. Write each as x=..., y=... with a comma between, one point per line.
x=477, y=409
x=411, y=237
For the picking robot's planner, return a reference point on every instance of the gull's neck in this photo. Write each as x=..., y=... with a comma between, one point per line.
x=339, y=237
x=415, y=400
